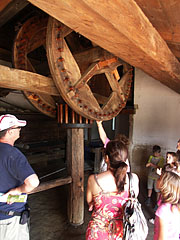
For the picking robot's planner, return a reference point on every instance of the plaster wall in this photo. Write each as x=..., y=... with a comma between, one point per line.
x=156, y=120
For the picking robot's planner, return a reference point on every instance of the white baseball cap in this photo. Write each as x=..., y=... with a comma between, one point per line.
x=8, y=121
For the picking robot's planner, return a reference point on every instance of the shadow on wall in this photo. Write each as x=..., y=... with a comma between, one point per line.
x=140, y=156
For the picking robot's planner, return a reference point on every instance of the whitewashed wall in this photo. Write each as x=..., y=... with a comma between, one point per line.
x=157, y=119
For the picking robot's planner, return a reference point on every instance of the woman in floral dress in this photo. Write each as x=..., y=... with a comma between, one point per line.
x=106, y=194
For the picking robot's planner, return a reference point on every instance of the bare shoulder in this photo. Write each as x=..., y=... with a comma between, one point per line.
x=102, y=175
x=106, y=181
x=90, y=178
x=105, y=177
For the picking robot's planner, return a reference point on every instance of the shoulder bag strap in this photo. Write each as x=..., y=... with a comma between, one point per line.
x=131, y=191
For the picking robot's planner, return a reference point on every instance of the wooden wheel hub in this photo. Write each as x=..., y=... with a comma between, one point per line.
x=74, y=72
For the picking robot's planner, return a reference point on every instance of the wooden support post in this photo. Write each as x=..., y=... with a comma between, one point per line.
x=97, y=160
x=66, y=113
x=80, y=119
x=61, y=113
x=73, y=117
x=75, y=167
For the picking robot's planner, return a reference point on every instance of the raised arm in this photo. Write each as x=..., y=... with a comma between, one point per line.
x=101, y=131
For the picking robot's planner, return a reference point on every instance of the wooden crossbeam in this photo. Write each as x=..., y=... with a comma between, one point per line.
x=26, y=81
x=8, y=9
x=121, y=28
x=52, y=184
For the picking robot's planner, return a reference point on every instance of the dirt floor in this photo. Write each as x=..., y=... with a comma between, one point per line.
x=49, y=215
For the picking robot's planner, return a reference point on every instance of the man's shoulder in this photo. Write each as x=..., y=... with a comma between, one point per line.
x=5, y=145
x=9, y=150
x=5, y=148
x=18, y=154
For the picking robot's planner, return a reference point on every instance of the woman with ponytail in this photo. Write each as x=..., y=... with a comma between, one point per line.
x=106, y=194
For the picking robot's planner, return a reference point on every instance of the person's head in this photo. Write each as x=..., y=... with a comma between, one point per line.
x=178, y=145
x=171, y=157
x=156, y=151
x=116, y=153
x=169, y=185
x=10, y=128
x=122, y=138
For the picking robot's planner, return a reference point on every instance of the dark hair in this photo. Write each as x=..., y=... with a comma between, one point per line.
x=117, y=153
x=156, y=148
x=174, y=155
x=3, y=133
x=122, y=138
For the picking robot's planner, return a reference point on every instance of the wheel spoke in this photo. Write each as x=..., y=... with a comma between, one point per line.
x=87, y=75
x=115, y=86
x=75, y=74
x=30, y=67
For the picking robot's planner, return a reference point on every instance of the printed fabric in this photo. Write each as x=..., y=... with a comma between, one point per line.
x=107, y=217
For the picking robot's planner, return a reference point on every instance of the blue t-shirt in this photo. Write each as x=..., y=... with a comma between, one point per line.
x=14, y=169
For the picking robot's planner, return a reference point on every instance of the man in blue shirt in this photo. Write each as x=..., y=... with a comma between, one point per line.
x=16, y=178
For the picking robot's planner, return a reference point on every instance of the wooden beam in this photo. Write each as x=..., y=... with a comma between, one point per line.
x=175, y=48
x=52, y=184
x=10, y=8
x=121, y=28
x=75, y=167
x=26, y=81
x=4, y=3
x=164, y=16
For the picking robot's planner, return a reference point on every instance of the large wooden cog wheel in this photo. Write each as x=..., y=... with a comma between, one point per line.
x=72, y=73
x=30, y=37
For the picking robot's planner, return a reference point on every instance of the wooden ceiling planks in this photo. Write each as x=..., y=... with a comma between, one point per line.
x=164, y=16
x=4, y=3
x=122, y=28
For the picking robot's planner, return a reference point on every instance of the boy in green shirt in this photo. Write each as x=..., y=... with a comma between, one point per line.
x=155, y=161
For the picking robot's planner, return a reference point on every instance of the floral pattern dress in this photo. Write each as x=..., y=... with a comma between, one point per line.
x=107, y=217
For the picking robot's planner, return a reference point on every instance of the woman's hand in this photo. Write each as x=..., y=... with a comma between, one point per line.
x=98, y=122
